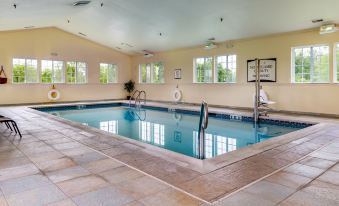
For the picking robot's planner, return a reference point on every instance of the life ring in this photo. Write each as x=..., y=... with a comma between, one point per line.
x=177, y=95
x=54, y=95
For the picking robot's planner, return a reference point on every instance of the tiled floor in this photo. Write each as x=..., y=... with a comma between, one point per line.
x=58, y=164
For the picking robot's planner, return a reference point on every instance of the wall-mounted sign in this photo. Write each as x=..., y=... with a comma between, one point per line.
x=268, y=70
x=177, y=74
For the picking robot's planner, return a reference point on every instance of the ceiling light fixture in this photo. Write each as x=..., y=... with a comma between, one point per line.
x=210, y=44
x=81, y=3
x=148, y=54
x=328, y=28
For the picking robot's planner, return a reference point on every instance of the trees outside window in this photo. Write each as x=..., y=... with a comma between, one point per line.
x=310, y=64
x=152, y=73
x=25, y=71
x=76, y=72
x=108, y=73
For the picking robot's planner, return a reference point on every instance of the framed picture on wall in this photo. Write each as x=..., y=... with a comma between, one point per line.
x=177, y=74
x=268, y=70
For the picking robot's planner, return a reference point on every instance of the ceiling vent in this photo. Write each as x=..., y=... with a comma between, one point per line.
x=81, y=3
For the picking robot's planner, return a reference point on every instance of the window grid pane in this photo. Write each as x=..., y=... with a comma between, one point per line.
x=203, y=70
x=226, y=69
x=151, y=73
x=311, y=64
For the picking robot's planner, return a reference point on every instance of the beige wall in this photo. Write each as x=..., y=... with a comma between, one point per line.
x=317, y=98
x=39, y=44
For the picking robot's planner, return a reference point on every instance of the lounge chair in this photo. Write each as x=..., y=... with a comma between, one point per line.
x=8, y=122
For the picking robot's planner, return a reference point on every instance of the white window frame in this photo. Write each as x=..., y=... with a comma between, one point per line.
x=38, y=72
x=194, y=69
x=53, y=80
x=116, y=73
x=216, y=72
x=76, y=70
x=151, y=73
x=293, y=64
x=335, y=62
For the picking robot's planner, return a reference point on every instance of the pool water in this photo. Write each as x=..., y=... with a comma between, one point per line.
x=174, y=131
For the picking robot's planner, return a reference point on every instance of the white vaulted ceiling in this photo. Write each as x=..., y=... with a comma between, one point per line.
x=183, y=23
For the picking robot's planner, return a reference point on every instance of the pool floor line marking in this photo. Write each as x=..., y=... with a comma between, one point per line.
x=276, y=171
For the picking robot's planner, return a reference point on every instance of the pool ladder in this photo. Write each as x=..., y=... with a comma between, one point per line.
x=137, y=99
x=203, y=124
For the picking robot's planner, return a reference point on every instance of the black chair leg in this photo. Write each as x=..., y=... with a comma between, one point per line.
x=8, y=126
x=17, y=129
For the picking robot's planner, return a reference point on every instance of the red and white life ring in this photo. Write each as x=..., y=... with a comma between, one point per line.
x=54, y=95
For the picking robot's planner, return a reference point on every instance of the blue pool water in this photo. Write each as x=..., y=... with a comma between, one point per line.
x=175, y=130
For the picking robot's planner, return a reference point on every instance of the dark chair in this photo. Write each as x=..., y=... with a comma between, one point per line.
x=8, y=122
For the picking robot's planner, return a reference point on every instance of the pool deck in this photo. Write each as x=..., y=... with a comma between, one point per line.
x=62, y=163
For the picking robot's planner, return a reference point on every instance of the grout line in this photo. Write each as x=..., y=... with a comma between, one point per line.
x=276, y=171
x=42, y=173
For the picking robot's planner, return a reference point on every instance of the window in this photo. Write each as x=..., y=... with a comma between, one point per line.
x=152, y=133
x=310, y=64
x=76, y=72
x=108, y=73
x=214, y=144
x=336, y=70
x=25, y=71
x=52, y=71
x=109, y=126
x=226, y=69
x=151, y=73
x=203, y=70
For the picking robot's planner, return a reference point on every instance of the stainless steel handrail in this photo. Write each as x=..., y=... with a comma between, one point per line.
x=203, y=124
x=138, y=98
x=130, y=99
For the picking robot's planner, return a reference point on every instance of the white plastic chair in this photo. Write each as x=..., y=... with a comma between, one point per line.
x=264, y=99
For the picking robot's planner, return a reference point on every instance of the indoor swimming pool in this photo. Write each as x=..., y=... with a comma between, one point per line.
x=174, y=129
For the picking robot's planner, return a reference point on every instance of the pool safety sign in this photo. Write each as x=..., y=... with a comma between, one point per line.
x=268, y=70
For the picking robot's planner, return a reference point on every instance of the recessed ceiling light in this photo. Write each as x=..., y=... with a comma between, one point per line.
x=82, y=34
x=317, y=20
x=29, y=27
x=81, y=3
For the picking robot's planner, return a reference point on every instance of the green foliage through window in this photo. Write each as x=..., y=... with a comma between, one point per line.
x=226, y=68
x=25, y=71
x=152, y=73
x=76, y=72
x=108, y=73
x=52, y=71
x=203, y=70
x=311, y=64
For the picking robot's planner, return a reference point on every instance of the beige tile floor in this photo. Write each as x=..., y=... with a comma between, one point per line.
x=48, y=167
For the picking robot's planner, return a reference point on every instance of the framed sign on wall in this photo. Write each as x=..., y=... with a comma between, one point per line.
x=177, y=74
x=268, y=70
